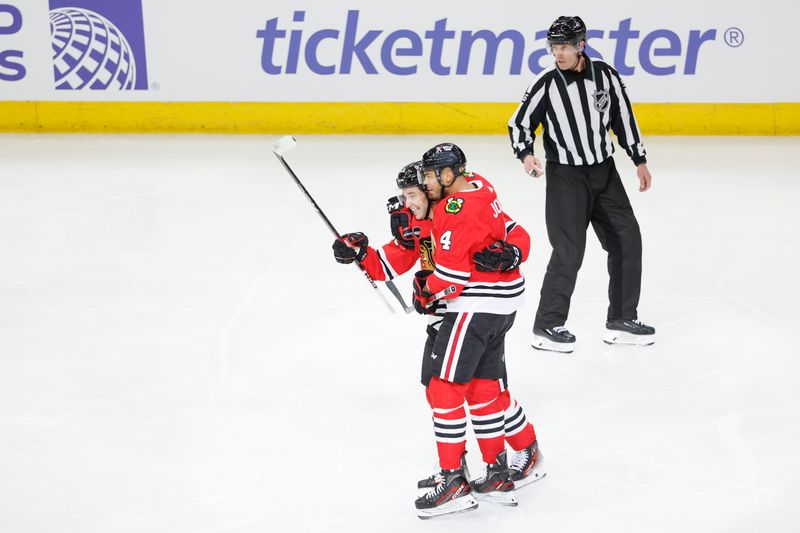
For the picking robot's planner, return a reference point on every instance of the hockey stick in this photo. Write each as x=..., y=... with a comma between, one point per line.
x=283, y=145
x=399, y=296
x=442, y=293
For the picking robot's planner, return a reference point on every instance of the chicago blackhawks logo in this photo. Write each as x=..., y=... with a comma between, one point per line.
x=454, y=205
x=426, y=254
x=601, y=100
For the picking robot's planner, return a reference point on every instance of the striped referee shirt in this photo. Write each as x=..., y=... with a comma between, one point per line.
x=577, y=110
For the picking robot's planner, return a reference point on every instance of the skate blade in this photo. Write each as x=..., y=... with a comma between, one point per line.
x=499, y=498
x=629, y=339
x=533, y=477
x=550, y=346
x=459, y=505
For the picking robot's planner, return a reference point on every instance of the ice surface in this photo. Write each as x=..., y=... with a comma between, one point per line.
x=179, y=352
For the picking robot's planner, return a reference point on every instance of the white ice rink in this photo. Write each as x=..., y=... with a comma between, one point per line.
x=179, y=352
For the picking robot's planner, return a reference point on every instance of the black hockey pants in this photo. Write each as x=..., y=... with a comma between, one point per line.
x=576, y=196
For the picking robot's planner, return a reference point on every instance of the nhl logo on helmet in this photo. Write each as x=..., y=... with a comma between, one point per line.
x=454, y=205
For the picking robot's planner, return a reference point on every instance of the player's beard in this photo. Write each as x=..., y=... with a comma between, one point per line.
x=435, y=195
x=443, y=188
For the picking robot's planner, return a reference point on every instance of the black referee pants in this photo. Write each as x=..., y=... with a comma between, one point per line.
x=576, y=196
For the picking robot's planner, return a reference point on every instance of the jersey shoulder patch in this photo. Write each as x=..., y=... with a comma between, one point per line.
x=454, y=205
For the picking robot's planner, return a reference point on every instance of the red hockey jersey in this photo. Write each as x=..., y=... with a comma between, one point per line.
x=392, y=259
x=465, y=223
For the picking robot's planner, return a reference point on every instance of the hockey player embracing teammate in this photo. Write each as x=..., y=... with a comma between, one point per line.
x=410, y=222
x=469, y=228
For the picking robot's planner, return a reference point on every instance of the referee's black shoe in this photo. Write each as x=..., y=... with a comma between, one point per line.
x=632, y=332
x=556, y=339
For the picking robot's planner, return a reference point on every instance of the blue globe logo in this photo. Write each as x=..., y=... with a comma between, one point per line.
x=89, y=51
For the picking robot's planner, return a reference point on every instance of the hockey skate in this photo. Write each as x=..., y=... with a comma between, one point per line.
x=496, y=486
x=556, y=339
x=452, y=494
x=434, y=479
x=527, y=466
x=631, y=332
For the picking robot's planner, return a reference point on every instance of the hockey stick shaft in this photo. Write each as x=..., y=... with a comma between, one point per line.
x=308, y=196
x=336, y=234
x=447, y=291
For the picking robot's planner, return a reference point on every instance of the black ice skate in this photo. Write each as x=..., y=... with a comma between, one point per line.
x=527, y=466
x=496, y=485
x=629, y=332
x=556, y=339
x=434, y=479
x=452, y=494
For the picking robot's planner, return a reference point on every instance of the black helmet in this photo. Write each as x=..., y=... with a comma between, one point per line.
x=410, y=175
x=566, y=30
x=444, y=155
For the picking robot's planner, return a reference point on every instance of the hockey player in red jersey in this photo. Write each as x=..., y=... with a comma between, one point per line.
x=470, y=230
x=410, y=225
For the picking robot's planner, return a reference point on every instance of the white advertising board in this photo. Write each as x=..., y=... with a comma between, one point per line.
x=360, y=51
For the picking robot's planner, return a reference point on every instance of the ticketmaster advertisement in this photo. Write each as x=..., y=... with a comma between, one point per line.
x=360, y=51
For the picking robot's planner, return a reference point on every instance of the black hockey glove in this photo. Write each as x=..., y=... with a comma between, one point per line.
x=350, y=247
x=422, y=303
x=400, y=224
x=499, y=256
x=394, y=203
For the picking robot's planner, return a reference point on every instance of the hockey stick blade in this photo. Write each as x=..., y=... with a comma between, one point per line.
x=284, y=144
x=399, y=296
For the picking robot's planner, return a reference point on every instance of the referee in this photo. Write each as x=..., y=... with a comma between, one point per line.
x=577, y=101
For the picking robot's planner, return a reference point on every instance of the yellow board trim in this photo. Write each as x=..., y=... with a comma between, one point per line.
x=377, y=117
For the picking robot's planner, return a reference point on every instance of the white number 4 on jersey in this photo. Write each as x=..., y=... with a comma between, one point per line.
x=445, y=241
